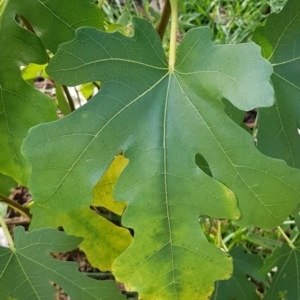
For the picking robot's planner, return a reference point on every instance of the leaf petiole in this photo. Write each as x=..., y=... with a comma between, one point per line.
x=100, y=3
x=164, y=20
x=220, y=242
x=16, y=206
x=286, y=238
x=173, y=37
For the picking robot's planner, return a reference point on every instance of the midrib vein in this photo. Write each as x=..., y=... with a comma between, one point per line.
x=166, y=183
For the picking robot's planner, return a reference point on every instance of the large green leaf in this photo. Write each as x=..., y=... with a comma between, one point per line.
x=278, y=125
x=285, y=283
x=239, y=287
x=27, y=270
x=21, y=106
x=161, y=119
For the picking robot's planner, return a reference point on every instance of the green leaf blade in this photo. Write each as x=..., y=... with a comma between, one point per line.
x=160, y=121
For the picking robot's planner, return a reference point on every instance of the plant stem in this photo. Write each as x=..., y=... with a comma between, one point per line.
x=16, y=206
x=224, y=245
x=100, y=3
x=69, y=97
x=164, y=19
x=173, y=37
x=16, y=221
x=286, y=238
x=98, y=274
x=96, y=85
x=219, y=237
x=7, y=234
x=220, y=242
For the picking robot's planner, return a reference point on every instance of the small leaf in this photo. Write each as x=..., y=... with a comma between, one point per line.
x=26, y=272
x=239, y=287
x=278, y=125
x=285, y=283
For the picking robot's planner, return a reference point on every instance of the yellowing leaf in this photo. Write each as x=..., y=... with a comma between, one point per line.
x=87, y=89
x=103, y=241
x=31, y=71
x=103, y=191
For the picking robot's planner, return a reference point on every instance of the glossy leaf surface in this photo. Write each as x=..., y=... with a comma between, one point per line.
x=160, y=120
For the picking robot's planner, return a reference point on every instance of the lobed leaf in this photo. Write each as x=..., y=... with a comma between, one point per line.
x=278, y=125
x=27, y=270
x=160, y=120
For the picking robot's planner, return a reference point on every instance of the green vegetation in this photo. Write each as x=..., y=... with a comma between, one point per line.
x=155, y=178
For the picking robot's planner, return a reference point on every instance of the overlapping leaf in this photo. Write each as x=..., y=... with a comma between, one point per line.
x=26, y=271
x=161, y=119
x=239, y=287
x=285, y=283
x=21, y=106
x=103, y=241
x=278, y=125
